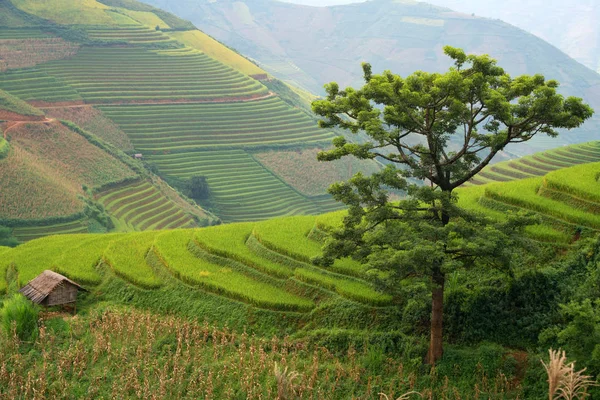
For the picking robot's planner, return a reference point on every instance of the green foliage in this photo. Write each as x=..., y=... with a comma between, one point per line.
x=198, y=188
x=4, y=148
x=6, y=237
x=21, y=315
x=413, y=122
x=512, y=312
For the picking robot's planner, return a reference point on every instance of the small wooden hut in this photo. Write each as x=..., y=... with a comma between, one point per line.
x=51, y=289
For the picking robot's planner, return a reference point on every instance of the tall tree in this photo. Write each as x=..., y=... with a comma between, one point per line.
x=440, y=128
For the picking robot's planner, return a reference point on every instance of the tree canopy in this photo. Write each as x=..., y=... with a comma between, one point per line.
x=441, y=129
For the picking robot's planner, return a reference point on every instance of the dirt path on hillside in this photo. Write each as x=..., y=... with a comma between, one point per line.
x=240, y=99
x=15, y=124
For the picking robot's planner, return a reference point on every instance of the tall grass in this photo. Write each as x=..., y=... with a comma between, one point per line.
x=564, y=382
x=19, y=316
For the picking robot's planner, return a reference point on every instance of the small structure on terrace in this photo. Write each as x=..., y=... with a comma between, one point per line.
x=51, y=289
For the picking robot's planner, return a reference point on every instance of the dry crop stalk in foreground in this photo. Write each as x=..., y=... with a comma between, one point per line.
x=563, y=381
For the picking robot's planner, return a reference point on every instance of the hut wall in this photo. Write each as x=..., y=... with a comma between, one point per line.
x=62, y=294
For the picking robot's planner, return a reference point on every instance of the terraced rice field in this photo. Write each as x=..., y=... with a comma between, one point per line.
x=566, y=199
x=26, y=234
x=35, y=84
x=132, y=35
x=22, y=33
x=188, y=113
x=539, y=164
x=226, y=260
x=179, y=127
x=122, y=74
x=141, y=206
x=185, y=140
x=242, y=189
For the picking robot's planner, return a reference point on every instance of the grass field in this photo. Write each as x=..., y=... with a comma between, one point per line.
x=126, y=256
x=172, y=247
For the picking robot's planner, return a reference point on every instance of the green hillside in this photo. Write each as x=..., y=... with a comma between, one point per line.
x=256, y=280
x=566, y=199
x=268, y=264
x=312, y=46
x=539, y=164
x=13, y=104
x=189, y=107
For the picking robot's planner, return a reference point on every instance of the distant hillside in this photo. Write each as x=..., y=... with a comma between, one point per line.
x=572, y=26
x=310, y=46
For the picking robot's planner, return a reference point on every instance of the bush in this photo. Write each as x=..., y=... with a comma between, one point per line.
x=20, y=313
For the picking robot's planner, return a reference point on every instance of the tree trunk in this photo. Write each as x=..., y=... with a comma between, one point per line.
x=436, y=349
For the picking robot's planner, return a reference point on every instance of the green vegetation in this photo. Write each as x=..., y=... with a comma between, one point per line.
x=201, y=41
x=68, y=12
x=142, y=206
x=178, y=128
x=426, y=235
x=27, y=233
x=16, y=105
x=226, y=279
x=301, y=170
x=127, y=258
x=177, y=138
x=19, y=316
x=93, y=120
x=229, y=241
x=191, y=111
x=540, y=164
x=112, y=74
x=4, y=148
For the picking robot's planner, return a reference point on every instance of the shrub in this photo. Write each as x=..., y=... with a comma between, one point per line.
x=20, y=313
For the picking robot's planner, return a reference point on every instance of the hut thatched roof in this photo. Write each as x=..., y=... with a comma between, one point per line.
x=39, y=288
